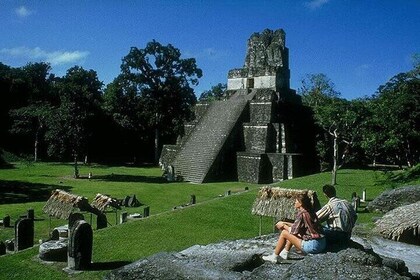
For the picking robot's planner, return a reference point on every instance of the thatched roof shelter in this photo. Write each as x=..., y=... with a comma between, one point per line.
x=279, y=202
x=401, y=224
x=61, y=204
x=102, y=201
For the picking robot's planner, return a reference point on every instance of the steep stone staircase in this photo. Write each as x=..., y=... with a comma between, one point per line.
x=198, y=153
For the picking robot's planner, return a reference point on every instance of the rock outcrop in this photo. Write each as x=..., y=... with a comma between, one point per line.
x=392, y=199
x=241, y=259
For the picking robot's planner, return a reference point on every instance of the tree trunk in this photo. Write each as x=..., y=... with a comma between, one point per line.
x=156, y=145
x=36, y=147
x=335, y=165
x=76, y=167
x=408, y=155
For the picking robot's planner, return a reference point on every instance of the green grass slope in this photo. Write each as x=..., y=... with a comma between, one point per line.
x=212, y=219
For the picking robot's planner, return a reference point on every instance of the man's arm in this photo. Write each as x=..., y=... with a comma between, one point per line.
x=324, y=213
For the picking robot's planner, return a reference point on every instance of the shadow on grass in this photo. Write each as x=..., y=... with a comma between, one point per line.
x=20, y=192
x=108, y=265
x=131, y=178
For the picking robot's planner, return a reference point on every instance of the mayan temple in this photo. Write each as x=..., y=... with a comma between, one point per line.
x=259, y=133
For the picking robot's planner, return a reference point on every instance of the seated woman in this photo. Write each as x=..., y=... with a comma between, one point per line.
x=305, y=233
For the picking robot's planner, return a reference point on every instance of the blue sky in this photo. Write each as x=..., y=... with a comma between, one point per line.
x=358, y=44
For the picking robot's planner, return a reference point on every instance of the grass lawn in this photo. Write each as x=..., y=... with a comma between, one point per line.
x=212, y=219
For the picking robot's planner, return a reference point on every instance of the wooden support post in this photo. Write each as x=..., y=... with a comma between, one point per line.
x=123, y=217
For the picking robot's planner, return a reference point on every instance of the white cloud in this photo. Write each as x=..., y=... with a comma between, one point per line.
x=23, y=12
x=208, y=53
x=55, y=58
x=315, y=4
x=363, y=69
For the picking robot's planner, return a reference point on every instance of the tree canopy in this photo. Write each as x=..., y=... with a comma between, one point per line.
x=148, y=102
x=338, y=119
x=215, y=93
x=384, y=127
x=397, y=109
x=163, y=82
x=80, y=97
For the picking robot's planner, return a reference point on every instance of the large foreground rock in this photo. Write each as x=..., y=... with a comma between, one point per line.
x=347, y=264
x=241, y=259
x=392, y=199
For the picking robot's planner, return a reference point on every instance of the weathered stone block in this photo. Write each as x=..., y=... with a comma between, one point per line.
x=253, y=168
x=261, y=112
x=278, y=163
x=259, y=138
x=265, y=82
x=237, y=83
x=53, y=250
x=294, y=165
x=237, y=73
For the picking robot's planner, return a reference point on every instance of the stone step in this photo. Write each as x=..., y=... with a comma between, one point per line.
x=203, y=145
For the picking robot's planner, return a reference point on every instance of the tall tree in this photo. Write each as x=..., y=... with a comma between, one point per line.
x=371, y=136
x=163, y=81
x=80, y=96
x=399, y=101
x=13, y=94
x=337, y=117
x=122, y=105
x=31, y=118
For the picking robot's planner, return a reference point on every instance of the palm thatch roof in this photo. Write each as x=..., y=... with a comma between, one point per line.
x=61, y=204
x=279, y=202
x=401, y=224
x=102, y=201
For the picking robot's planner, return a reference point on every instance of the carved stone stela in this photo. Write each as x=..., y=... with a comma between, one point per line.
x=80, y=246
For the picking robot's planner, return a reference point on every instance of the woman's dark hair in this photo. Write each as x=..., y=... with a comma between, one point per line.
x=329, y=190
x=306, y=202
